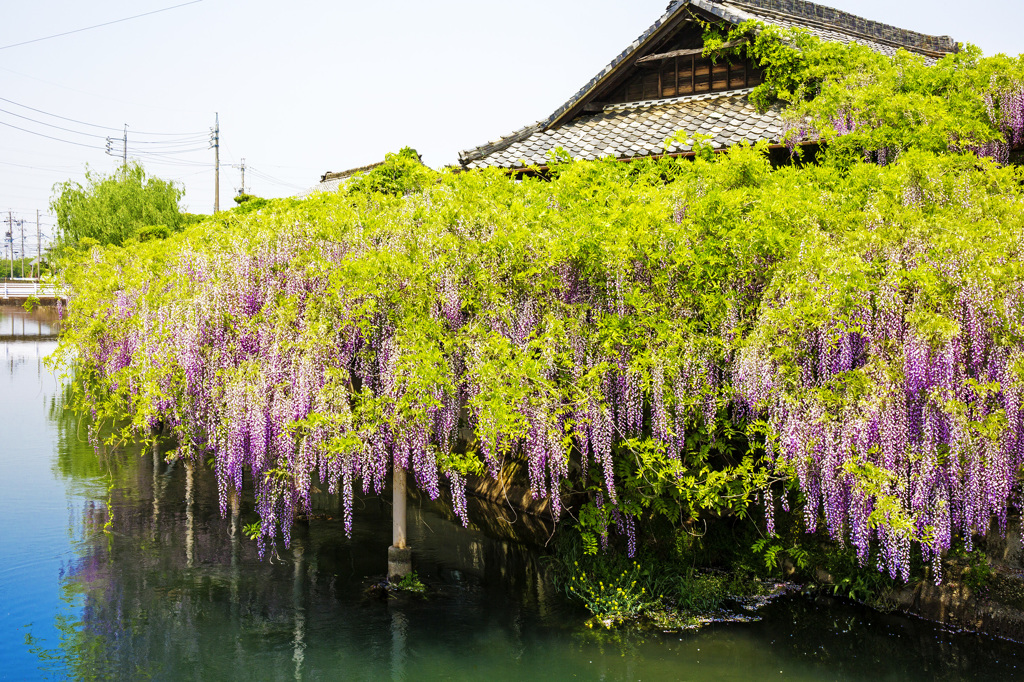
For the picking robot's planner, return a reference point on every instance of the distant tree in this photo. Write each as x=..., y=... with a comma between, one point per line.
x=114, y=208
x=248, y=203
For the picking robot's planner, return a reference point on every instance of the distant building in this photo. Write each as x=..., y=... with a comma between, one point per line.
x=332, y=182
x=661, y=84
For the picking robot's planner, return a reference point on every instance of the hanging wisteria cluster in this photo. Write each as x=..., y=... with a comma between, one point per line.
x=900, y=414
x=1005, y=109
x=293, y=361
x=615, y=329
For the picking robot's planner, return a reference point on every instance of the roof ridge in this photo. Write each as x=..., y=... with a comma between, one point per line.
x=483, y=150
x=837, y=19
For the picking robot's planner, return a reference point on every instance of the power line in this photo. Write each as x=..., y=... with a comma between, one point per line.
x=33, y=152
x=272, y=179
x=164, y=152
x=158, y=161
x=50, y=125
x=181, y=142
x=162, y=147
x=40, y=168
x=200, y=133
x=26, y=130
x=108, y=23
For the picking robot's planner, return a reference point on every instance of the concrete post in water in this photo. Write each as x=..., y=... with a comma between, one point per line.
x=298, y=605
x=399, y=555
x=190, y=523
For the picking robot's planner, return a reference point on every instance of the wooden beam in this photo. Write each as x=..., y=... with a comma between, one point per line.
x=684, y=53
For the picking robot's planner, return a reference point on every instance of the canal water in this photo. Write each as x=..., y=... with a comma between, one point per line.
x=119, y=566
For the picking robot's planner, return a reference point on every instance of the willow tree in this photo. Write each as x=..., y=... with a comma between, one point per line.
x=111, y=209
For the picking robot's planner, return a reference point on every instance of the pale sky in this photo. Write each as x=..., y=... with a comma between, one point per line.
x=306, y=87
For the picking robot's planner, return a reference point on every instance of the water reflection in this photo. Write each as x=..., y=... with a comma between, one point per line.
x=159, y=563
x=17, y=324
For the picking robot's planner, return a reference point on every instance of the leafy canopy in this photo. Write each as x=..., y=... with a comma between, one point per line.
x=859, y=101
x=112, y=209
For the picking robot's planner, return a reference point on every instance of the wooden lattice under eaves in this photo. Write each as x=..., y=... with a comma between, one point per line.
x=686, y=74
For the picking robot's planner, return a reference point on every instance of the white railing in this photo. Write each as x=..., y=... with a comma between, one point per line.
x=25, y=287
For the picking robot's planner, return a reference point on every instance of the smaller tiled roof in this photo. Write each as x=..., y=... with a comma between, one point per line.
x=639, y=129
x=332, y=182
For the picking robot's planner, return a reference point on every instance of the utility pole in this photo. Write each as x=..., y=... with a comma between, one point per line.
x=216, y=163
x=10, y=239
x=22, y=247
x=125, y=158
x=39, y=248
x=243, y=176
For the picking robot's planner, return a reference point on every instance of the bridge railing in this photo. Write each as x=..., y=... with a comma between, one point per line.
x=25, y=287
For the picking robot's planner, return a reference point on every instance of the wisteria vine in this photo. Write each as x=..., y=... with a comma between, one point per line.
x=614, y=329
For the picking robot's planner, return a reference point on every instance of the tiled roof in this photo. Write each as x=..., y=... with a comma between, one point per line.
x=825, y=22
x=322, y=186
x=332, y=182
x=329, y=175
x=627, y=131
x=831, y=25
x=838, y=25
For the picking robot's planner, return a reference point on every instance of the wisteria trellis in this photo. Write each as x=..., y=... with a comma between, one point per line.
x=869, y=323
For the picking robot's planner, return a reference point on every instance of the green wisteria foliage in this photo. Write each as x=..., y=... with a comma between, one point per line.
x=675, y=337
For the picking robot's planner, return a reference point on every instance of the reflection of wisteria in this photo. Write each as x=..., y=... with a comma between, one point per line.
x=166, y=585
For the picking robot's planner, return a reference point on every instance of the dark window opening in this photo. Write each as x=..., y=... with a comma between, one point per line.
x=686, y=75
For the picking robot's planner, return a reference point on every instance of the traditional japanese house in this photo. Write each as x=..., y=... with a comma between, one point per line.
x=661, y=83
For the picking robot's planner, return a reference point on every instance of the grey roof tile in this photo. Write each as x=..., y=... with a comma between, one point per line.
x=649, y=125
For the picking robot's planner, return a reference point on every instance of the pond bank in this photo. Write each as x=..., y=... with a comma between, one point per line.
x=986, y=595
x=987, y=599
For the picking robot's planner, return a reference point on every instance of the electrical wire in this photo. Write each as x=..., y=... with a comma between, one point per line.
x=94, y=125
x=63, y=169
x=167, y=152
x=157, y=161
x=50, y=125
x=165, y=146
x=26, y=130
x=108, y=23
x=271, y=178
x=170, y=143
